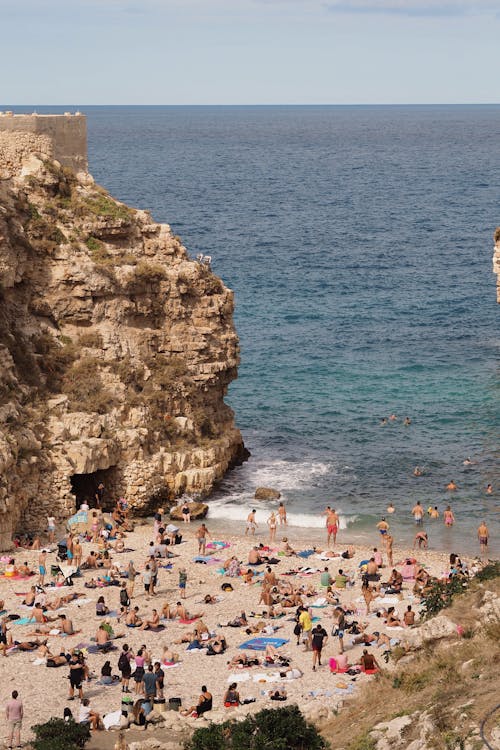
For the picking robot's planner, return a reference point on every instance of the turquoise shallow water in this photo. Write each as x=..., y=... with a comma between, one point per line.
x=358, y=241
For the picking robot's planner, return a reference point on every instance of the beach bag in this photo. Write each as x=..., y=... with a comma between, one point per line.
x=178, y=538
x=123, y=662
x=297, y=629
x=124, y=598
x=174, y=704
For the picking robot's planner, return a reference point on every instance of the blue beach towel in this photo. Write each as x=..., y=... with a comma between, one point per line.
x=305, y=553
x=259, y=644
x=24, y=621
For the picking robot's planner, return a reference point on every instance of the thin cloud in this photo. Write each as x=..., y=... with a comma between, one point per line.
x=415, y=8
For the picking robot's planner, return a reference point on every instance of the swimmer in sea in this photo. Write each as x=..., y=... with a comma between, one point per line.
x=451, y=486
x=407, y=422
x=489, y=489
x=391, y=508
x=433, y=512
x=417, y=471
x=393, y=417
x=383, y=421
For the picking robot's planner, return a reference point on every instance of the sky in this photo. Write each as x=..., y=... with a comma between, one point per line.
x=79, y=52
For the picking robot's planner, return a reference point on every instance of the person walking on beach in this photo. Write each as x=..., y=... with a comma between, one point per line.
x=319, y=639
x=332, y=526
x=182, y=582
x=14, y=712
x=272, y=523
x=282, y=514
x=131, y=574
x=201, y=535
x=483, y=535
x=389, y=539
x=251, y=523
x=51, y=529
x=42, y=567
x=339, y=616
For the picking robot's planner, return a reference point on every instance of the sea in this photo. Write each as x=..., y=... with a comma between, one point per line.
x=358, y=241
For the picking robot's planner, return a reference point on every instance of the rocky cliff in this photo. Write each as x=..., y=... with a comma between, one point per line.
x=116, y=351
x=496, y=260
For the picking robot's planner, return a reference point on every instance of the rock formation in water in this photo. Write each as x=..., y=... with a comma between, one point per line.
x=116, y=351
x=496, y=260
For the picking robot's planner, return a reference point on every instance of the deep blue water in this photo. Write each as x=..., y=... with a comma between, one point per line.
x=358, y=241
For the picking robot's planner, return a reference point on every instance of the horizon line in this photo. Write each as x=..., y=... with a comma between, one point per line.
x=256, y=104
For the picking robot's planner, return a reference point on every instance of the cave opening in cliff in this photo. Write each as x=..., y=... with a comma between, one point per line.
x=84, y=487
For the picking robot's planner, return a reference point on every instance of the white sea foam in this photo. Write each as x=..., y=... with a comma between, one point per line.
x=238, y=511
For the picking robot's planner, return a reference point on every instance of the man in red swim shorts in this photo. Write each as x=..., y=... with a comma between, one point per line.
x=332, y=525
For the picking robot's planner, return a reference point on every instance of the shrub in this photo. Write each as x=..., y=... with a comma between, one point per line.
x=57, y=734
x=93, y=244
x=92, y=339
x=363, y=742
x=83, y=384
x=439, y=595
x=276, y=729
x=54, y=359
x=147, y=273
x=490, y=571
x=104, y=205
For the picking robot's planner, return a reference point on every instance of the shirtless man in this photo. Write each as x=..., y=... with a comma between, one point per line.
x=132, y=619
x=451, y=486
x=254, y=557
x=66, y=625
x=42, y=567
x=421, y=539
x=201, y=535
x=251, y=523
x=270, y=578
x=102, y=637
x=409, y=617
x=418, y=513
x=282, y=514
x=153, y=622
x=483, y=535
x=332, y=526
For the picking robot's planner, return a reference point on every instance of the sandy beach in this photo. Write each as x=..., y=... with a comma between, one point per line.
x=44, y=691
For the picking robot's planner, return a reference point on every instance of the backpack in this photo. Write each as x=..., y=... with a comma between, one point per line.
x=123, y=662
x=124, y=598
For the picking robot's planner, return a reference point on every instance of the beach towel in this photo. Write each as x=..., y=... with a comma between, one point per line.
x=218, y=545
x=305, y=553
x=259, y=644
x=188, y=622
x=112, y=719
x=24, y=621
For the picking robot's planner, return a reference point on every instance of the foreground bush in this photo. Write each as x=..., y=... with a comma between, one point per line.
x=57, y=734
x=270, y=729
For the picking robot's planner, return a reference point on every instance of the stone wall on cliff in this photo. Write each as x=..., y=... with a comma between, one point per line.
x=116, y=351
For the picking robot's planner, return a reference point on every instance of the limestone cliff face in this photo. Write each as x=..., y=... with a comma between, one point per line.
x=116, y=351
x=496, y=261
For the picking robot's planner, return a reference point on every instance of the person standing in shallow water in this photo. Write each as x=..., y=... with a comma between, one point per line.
x=282, y=514
x=251, y=523
x=483, y=535
x=332, y=526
